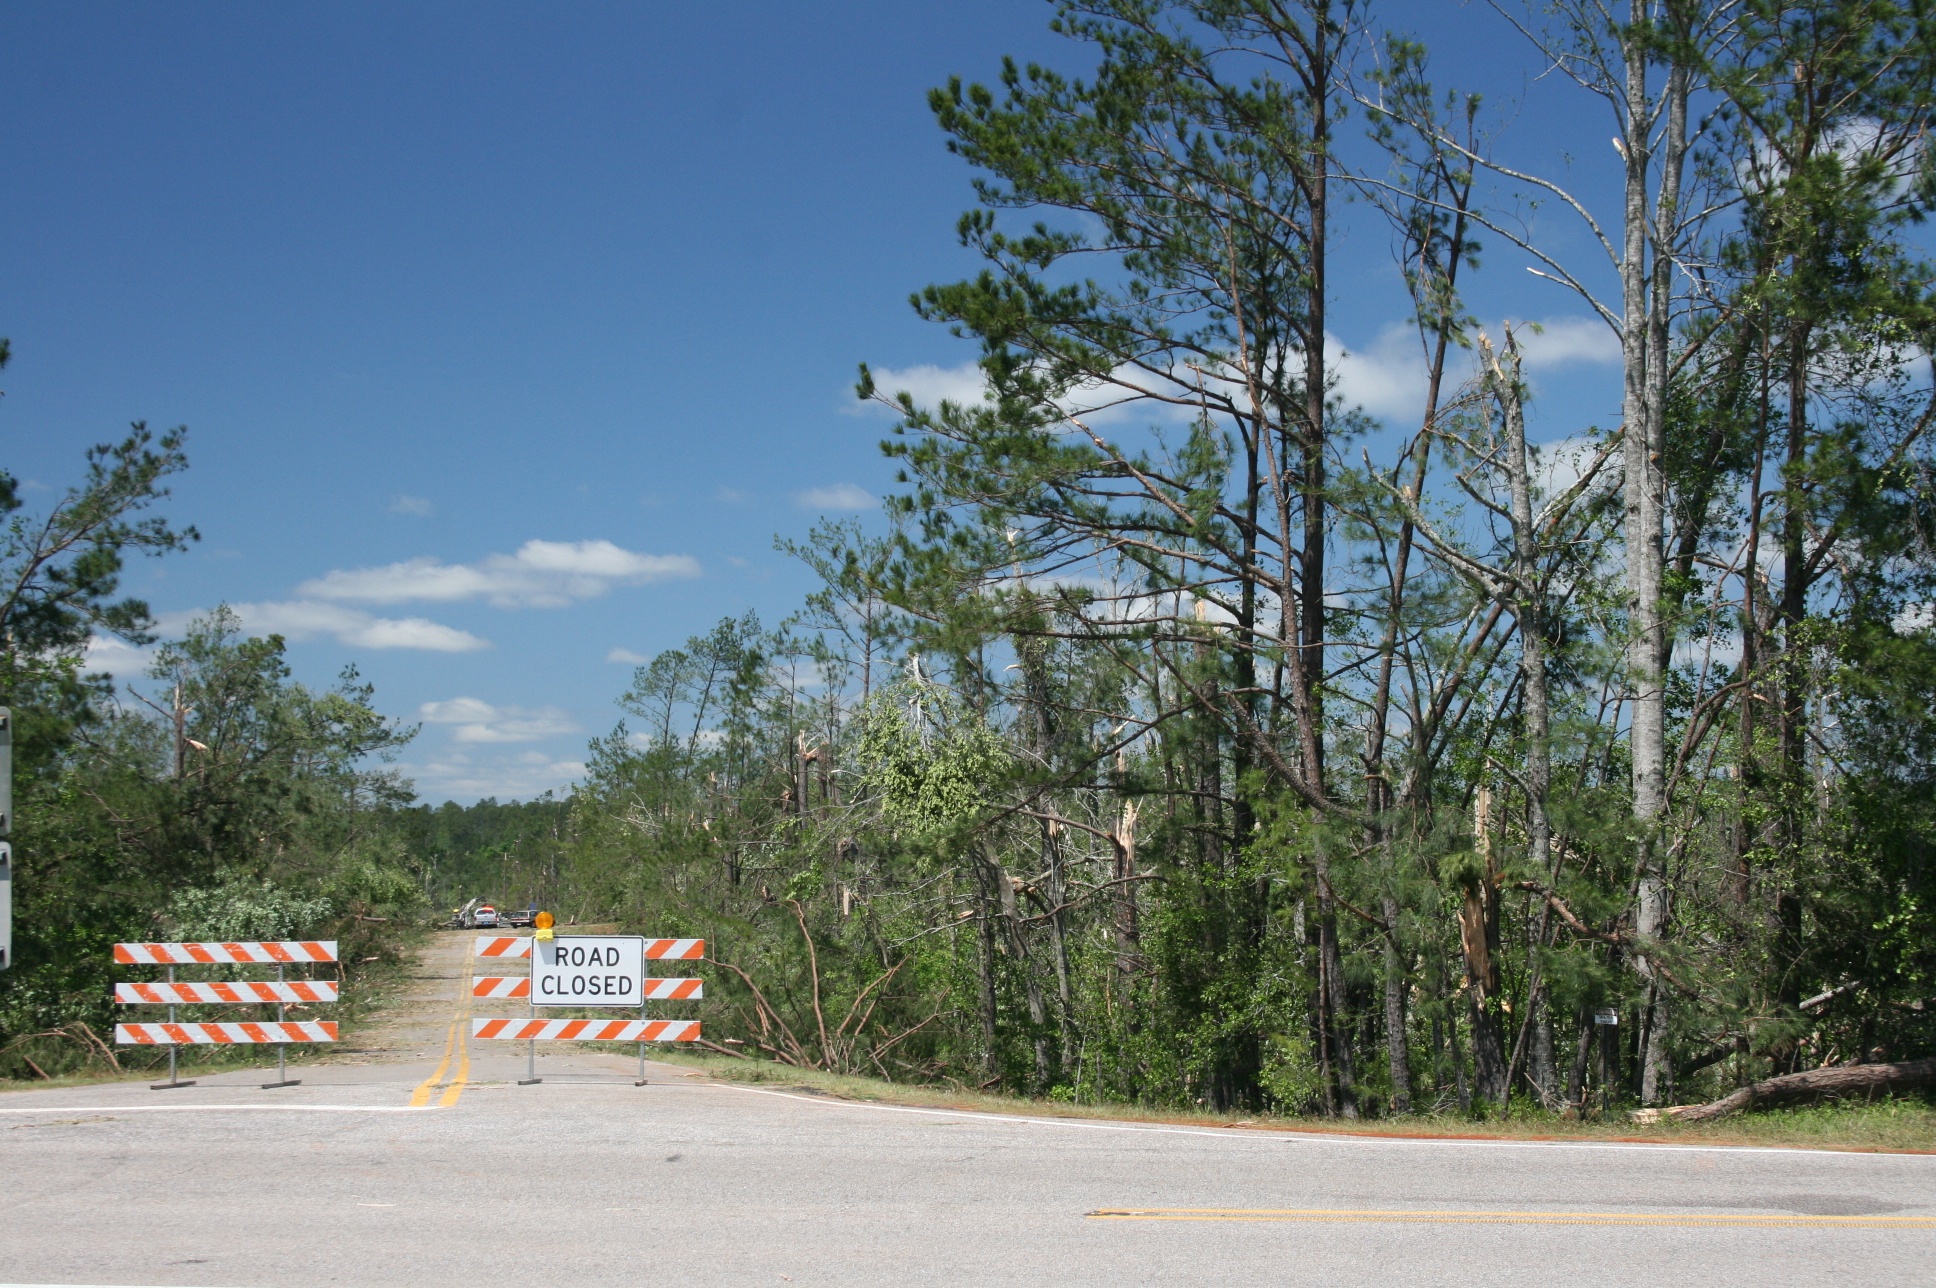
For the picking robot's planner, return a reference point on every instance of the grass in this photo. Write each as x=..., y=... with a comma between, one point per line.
x=1895, y=1126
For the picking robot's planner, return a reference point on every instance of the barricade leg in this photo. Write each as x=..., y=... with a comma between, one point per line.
x=282, y=1048
x=531, y=1078
x=641, y=1081
x=173, y=1081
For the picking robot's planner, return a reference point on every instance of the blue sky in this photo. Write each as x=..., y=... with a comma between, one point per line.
x=509, y=336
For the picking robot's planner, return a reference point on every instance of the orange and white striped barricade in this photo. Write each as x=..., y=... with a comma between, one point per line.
x=225, y=1033
x=281, y=952
x=640, y=1031
x=587, y=971
x=280, y=991
x=299, y=991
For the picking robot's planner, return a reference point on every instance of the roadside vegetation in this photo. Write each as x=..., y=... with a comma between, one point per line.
x=1188, y=740
x=215, y=798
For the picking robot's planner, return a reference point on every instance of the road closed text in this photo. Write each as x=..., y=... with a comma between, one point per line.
x=589, y=970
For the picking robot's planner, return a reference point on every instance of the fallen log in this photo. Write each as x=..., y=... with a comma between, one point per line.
x=1836, y=1080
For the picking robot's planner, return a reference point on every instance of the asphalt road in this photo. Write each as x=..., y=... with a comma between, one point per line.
x=588, y=1179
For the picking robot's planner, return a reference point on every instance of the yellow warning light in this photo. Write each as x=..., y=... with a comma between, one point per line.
x=544, y=921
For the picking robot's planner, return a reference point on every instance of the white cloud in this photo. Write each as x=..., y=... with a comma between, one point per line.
x=1559, y=341
x=1562, y=462
x=731, y=496
x=627, y=656
x=1097, y=402
x=303, y=619
x=542, y=574
x=931, y=385
x=295, y=621
x=459, y=775
x=1716, y=654
x=404, y=504
x=841, y=496
x=1863, y=139
x=1386, y=377
x=478, y=721
x=115, y=657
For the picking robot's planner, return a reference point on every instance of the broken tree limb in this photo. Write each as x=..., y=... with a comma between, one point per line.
x=1567, y=915
x=1836, y=1080
x=1820, y=1000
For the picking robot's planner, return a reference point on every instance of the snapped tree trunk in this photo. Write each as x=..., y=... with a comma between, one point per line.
x=1479, y=938
x=1129, y=940
x=1058, y=941
x=1527, y=594
x=1014, y=937
x=1398, y=1051
x=985, y=968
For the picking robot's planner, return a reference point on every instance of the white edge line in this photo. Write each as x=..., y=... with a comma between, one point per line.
x=188, y=1109
x=1320, y=1138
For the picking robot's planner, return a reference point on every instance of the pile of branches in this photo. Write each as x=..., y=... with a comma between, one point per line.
x=67, y=1036
x=840, y=1051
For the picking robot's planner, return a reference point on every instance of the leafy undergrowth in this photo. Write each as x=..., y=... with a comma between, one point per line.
x=1901, y=1125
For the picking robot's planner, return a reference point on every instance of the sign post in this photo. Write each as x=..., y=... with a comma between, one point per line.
x=6, y=829
x=643, y=994
x=541, y=932
x=282, y=1048
x=1607, y=1020
x=173, y=1081
x=6, y=905
x=530, y=1078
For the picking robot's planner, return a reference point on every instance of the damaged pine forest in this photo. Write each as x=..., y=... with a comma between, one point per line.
x=1188, y=737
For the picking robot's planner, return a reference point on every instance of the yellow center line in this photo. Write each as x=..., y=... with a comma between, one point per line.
x=1417, y=1216
x=463, y=1031
x=421, y=1096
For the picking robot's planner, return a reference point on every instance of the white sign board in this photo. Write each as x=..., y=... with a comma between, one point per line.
x=588, y=970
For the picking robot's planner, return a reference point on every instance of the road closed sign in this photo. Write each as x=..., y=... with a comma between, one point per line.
x=589, y=970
